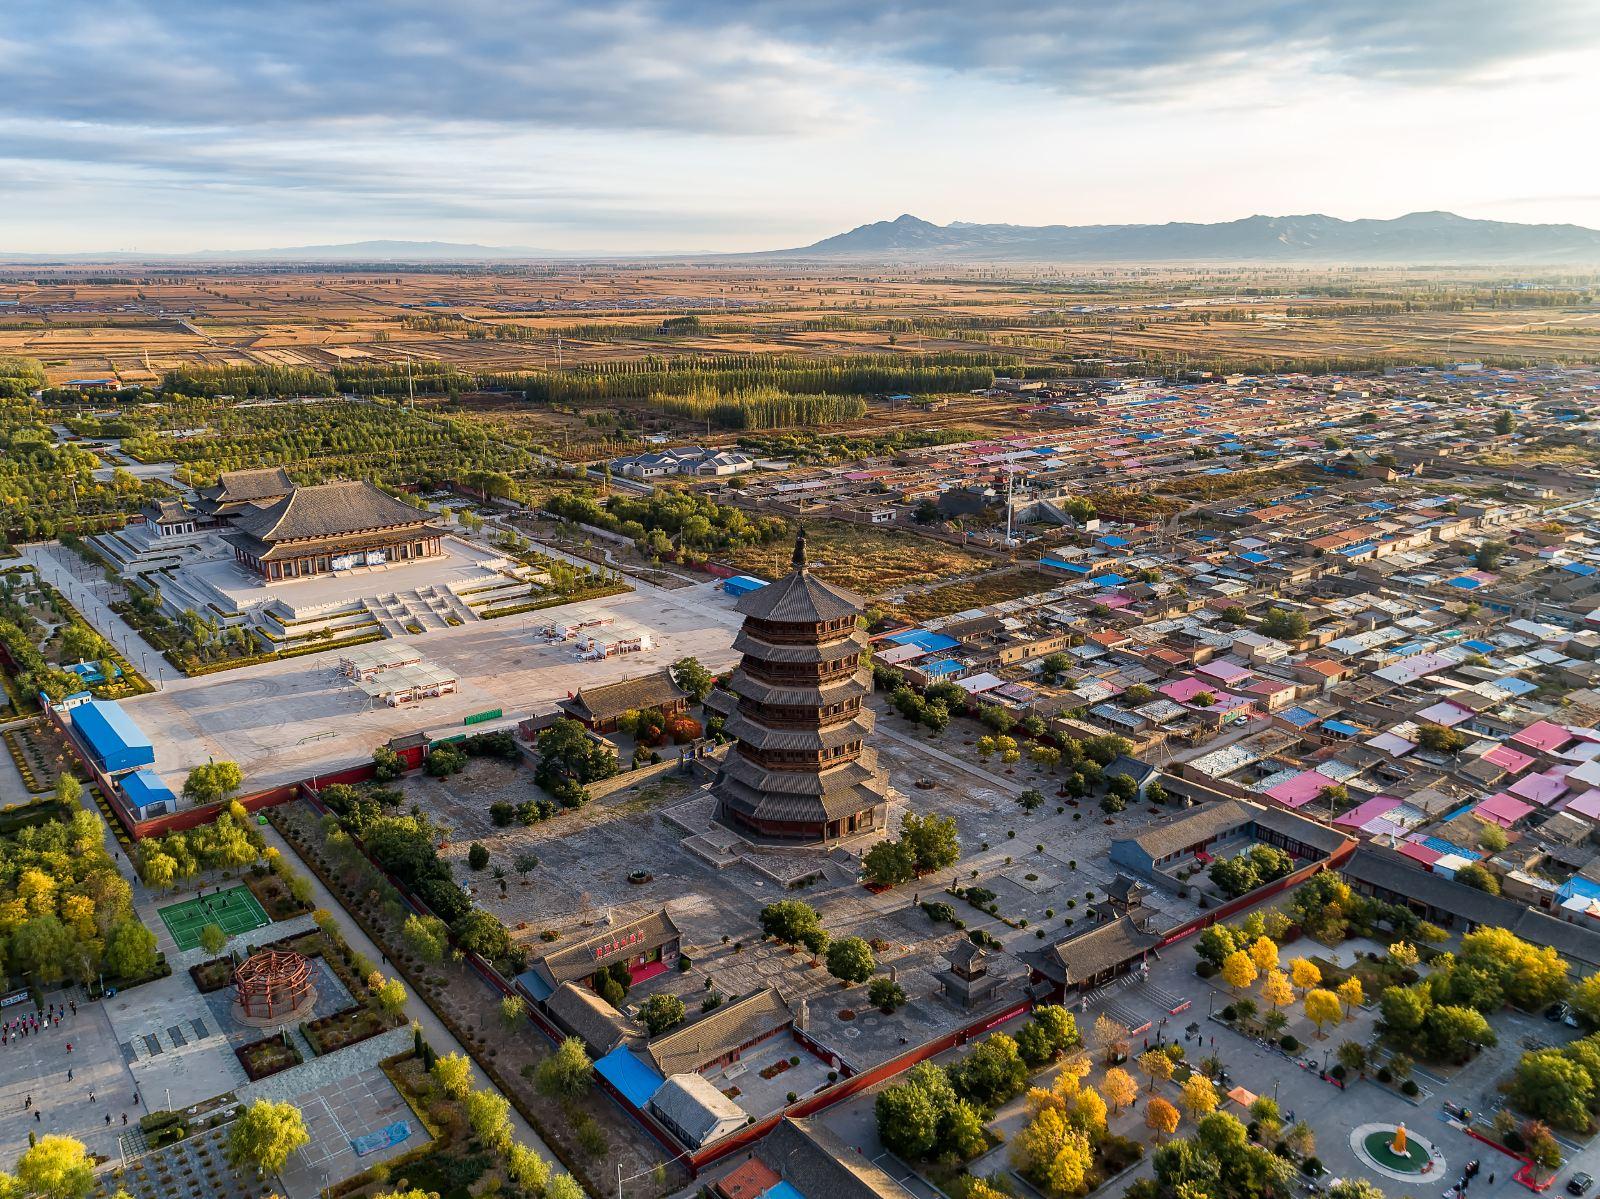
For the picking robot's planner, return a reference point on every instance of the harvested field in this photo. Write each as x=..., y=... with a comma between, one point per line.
x=866, y=559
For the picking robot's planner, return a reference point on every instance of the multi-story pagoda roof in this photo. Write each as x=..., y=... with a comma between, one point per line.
x=800, y=768
x=800, y=597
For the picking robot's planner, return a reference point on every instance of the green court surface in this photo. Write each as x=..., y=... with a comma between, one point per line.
x=234, y=911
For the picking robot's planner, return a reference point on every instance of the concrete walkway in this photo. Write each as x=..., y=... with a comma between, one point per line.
x=86, y=588
x=440, y=1037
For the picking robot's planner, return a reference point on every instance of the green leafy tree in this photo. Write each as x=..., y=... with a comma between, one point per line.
x=693, y=677
x=453, y=1073
x=885, y=994
x=212, y=939
x=212, y=782
x=660, y=1012
x=567, y=1072
x=850, y=960
x=791, y=921
x=130, y=950
x=489, y=1116
x=265, y=1135
x=889, y=863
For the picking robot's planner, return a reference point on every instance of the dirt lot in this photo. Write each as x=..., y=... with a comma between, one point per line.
x=865, y=559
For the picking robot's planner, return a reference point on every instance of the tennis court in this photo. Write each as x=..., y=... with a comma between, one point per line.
x=234, y=911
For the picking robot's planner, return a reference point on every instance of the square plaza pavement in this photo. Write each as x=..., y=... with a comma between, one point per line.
x=339, y=1111
x=37, y=1065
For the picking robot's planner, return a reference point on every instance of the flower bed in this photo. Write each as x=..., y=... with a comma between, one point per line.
x=213, y=975
x=274, y=895
x=268, y=1056
x=346, y=1027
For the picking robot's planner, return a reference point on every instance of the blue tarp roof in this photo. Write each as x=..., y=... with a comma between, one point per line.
x=1298, y=717
x=1256, y=557
x=923, y=639
x=1440, y=845
x=1074, y=567
x=630, y=1075
x=1112, y=539
x=1342, y=727
x=1479, y=647
x=784, y=1190
x=1464, y=582
x=742, y=584
x=144, y=787
x=111, y=735
x=534, y=984
x=941, y=668
x=1581, y=568
x=1108, y=580
x=1515, y=686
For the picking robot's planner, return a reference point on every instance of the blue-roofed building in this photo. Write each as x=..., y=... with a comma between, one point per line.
x=924, y=639
x=940, y=669
x=1583, y=569
x=1464, y=583
x=1479, y=647
x=630, y=1075
x=113, y=740
x=1113, y=541
x=147, y=795
x=1297, y=716
x=1108, y=580
x=1255, y=557
x=742, y=585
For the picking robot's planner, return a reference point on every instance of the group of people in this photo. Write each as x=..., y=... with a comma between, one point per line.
x=36, y=1022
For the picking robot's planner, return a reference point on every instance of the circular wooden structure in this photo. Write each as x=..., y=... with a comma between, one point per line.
x=271, y=986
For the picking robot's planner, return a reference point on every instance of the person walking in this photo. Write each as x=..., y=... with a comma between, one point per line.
x=91, y=1096
x=69, y=1073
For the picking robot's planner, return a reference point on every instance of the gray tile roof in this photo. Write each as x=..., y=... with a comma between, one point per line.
x=327, y=510
x=613, y=699
x=694, y=1107
x=572, y=962
x=584, y=1014
x=690, y=1047
x=1213, y=820
x=235, y=486
x=1086, y=955
x=821, y=1165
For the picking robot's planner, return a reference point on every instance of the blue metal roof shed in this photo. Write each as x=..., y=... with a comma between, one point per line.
x=742, y=585
x=110, y=735
x=145, y=790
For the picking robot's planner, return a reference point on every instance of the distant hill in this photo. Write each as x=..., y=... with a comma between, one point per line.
x=355, y=251
x=1418, y=237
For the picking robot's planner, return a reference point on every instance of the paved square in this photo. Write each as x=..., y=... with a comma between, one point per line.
x=234, y=911
x=338, y=1112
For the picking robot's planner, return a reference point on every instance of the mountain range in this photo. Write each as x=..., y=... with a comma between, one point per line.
x=1418, y=237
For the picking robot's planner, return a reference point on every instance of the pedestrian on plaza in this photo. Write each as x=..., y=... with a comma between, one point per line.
x=74, y=1007
x=36, y=1117
x=28, y=1104
x=69, y=1073
x=69, y=1046
x=124, y=1118
x=91, y=1096
x=108, y=1119
x=1491, y=1177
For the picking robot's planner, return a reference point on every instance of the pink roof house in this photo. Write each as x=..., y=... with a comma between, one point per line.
x=1543, y=735
x=1586, y=805
x=1418, y=852
x=1514, y=761
x=1224, y=671
x=1300, y=790
x=1542, y=789
x=1371, y=810
x=1185, y=689
x=1445, y=713
x=1502, y=809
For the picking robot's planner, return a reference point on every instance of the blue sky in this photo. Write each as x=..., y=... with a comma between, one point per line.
x=639, y=125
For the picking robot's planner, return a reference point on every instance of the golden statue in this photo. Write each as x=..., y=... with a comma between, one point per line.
x=1398, y=1145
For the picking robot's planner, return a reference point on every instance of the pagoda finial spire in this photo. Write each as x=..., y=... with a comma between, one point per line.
x=800, y=550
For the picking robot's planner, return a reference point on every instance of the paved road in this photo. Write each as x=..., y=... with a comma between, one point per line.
x=440, y=1037
x=88, y=590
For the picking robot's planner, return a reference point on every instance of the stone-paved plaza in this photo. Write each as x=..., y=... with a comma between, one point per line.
x=714, y=884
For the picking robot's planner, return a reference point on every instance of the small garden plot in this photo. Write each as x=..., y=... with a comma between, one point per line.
x=347, y=1027
x=213, y=975
x=267, y=1056
x=275, y=895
